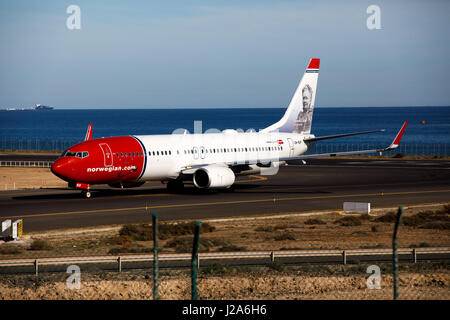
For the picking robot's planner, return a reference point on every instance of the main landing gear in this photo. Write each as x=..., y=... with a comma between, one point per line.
x=175, y=186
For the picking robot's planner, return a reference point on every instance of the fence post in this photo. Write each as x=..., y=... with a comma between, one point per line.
x=394, y=252
x=272, y=256
x=36, y=267
x=414, y=255
x=155, y=255
x=195, y=260
x=119, y=262
x=344, y=257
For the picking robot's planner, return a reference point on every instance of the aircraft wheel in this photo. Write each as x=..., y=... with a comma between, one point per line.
x=86, y=194
x=175, y=186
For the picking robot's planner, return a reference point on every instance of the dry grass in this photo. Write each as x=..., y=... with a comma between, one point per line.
x=349, y=232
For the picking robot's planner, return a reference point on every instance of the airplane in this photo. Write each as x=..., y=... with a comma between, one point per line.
x=208, y=160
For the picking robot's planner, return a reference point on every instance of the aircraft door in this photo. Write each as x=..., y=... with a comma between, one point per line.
x=107, y=154
x=291, y=147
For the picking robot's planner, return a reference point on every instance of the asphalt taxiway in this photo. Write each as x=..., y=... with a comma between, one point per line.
x=321, y=184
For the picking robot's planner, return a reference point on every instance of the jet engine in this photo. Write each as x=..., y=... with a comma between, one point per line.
x=213, y=177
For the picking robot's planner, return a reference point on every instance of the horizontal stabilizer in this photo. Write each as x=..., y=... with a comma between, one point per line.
x=340, y=135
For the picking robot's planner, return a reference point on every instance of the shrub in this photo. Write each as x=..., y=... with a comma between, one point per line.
x=184, y=244
x=276, y=265
x=377, y=246
x=231, y=248
x=284, y=236
x=40, y=245
x=123, y=240
x=349, y=221
x=446, y=208
x=314, y=221
x=420, y=245
x=116, y=251
x=437, y=225
x=274, y=228
x=144, y=232
x=10, y=250
x=218, y=268
x=428, y=220
x=388, y=217
x=265, y=229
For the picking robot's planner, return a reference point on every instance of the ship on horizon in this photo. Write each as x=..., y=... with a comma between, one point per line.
x=38, y=107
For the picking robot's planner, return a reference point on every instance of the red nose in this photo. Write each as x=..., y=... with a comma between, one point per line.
x=61, y=169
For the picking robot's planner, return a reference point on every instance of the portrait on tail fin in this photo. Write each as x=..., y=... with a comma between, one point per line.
x=304, y=118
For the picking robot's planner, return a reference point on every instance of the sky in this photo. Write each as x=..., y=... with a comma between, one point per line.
x=220, y=54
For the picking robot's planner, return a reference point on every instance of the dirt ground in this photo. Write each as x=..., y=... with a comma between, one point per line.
x=15, y=178
x=339, y=284
x=290, y=230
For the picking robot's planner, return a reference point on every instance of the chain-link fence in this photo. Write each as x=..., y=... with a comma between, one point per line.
x=36, y=145
x=354, y=281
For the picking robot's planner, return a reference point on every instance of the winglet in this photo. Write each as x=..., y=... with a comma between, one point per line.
x=397, y=139
x=88, y=133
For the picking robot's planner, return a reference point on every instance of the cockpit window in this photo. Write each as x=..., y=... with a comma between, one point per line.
x=82, y=154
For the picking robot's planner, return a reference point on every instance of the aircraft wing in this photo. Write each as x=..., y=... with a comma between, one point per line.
x=392, y=146
x=340, y=135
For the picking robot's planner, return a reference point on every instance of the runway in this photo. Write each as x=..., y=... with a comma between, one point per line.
x=321, y=184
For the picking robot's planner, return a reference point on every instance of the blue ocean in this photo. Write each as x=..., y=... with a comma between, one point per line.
x=428, y=131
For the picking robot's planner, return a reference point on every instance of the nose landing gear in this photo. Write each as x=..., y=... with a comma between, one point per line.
x=86, y=194
x=85, y=188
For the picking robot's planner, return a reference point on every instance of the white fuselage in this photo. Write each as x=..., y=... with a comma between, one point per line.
x=169, y=155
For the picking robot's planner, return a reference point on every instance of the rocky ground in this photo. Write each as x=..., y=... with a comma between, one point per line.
x=337, y=283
